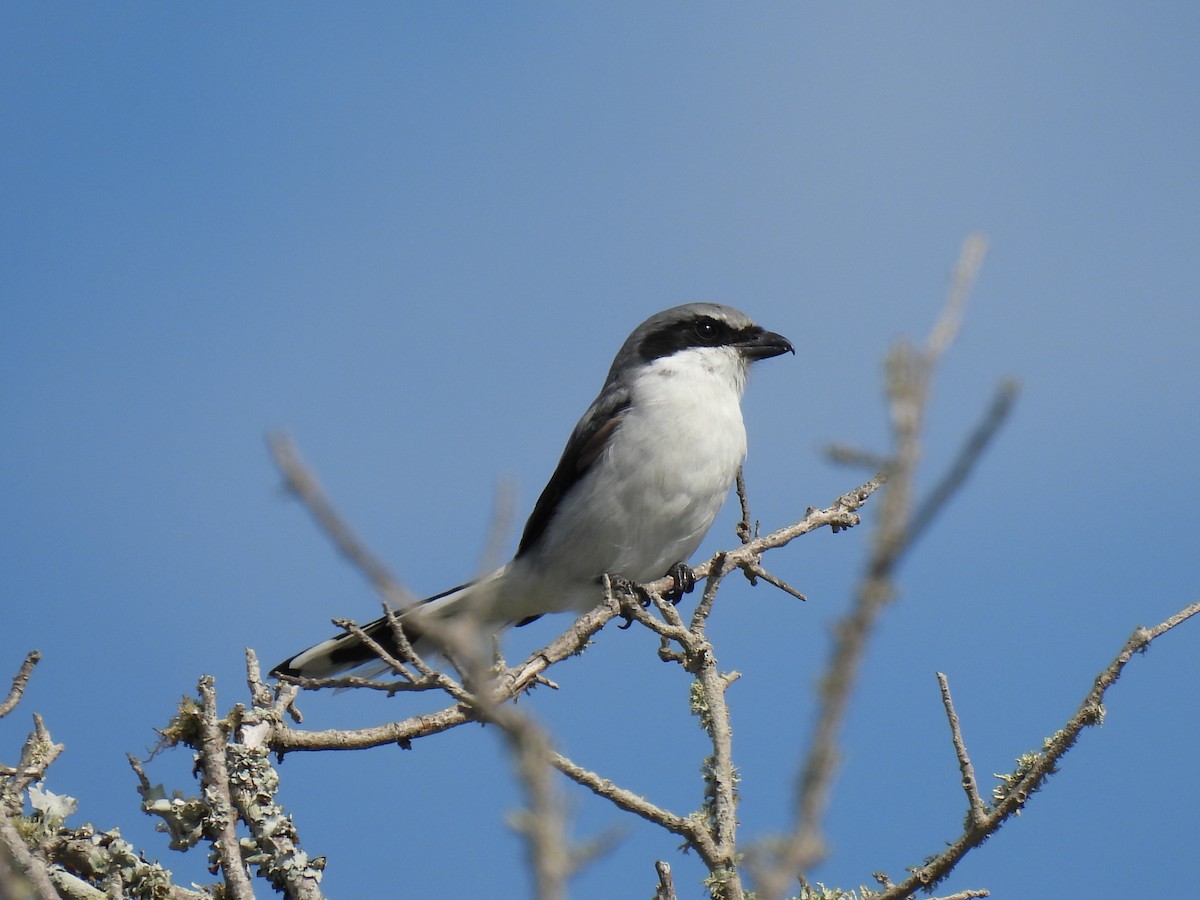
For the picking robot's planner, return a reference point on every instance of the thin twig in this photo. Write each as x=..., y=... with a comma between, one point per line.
x=977, y=809
x=260, y=694
x=724, y=801
x=744, y=529
x=685, y=826
x=757, y=571
x=20, y=680
x=715, y=835
x=396, y=665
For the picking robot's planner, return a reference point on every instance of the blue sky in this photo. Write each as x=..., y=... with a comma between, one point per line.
x=388, y=228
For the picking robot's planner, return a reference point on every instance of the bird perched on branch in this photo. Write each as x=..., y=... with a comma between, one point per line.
x=640, y=481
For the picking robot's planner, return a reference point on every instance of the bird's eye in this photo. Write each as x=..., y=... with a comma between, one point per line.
x=706, y=330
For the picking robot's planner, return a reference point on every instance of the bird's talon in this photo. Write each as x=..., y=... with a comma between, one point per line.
x=685, y=581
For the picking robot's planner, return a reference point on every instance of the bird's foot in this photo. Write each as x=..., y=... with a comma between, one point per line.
x=681, y=572
x=685, y=581
x=618, y=584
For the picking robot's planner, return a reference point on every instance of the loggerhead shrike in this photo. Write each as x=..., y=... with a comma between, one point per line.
x=640, y=481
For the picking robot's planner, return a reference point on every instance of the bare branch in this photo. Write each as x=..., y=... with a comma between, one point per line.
x=713, y=835
x=685, y=826
x=38, y=752
x=977, y=809
x=755, y=570
x=221, y=823
x=260, y=694
x=666, y=884
x=745, y=528
x=20, y=680
x=718, y=568
x=396, y=665
x=254, y=784
x=842, y=513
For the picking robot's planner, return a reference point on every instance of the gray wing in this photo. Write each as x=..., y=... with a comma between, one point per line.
x=587, y=442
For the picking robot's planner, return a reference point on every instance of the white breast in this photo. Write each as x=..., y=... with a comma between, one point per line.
x=651, y=497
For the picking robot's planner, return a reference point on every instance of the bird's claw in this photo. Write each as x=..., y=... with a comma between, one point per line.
x=618, y=584
x=685, y=581
x=681, y=572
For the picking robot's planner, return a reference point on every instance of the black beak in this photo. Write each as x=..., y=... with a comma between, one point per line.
x=764, y=345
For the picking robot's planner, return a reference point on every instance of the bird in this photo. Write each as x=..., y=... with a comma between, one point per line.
x=639, y=483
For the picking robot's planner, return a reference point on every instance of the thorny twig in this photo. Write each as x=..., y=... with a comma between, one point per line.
x=1036, y=768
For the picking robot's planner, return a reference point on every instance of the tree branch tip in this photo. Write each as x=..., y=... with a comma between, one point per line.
x=19, y=682
x=666, y=883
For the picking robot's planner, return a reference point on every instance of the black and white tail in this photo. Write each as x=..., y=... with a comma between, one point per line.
x=348, y=651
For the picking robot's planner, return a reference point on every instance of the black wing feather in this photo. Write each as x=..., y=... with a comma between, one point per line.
x=584, y=447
